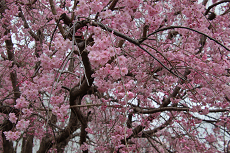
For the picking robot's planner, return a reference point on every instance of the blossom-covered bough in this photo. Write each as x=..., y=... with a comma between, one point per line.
x=114, y=76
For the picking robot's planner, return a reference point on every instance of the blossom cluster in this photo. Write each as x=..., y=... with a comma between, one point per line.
x=10, y=135
x=21, y=103
x=39, y=71
x=60, y=112
x=21, y=125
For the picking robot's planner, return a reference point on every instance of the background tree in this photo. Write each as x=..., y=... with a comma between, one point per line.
x=114, y=76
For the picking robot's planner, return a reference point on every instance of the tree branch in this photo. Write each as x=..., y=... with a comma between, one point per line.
x=55, y=13
x=112, y=5
x=26, y=25
x=119, y=34
x=8, y=109
x=215, y=4
x=161, y=109
x=176, y=90
x=180, y=27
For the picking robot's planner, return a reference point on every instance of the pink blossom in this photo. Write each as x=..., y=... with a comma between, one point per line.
x=120, y=95
x=55, y=110
x=97, y=30
x=130, y=95
x=21, y=103
x=119, y=88
x=118, y=128
x=210, y=138
x=103, y=59
x=17, y=134
x=111, y=51
x=122, y=60
x=106, y=13
x=95, y=63
x=26, y=111
x=55, y=100
x=95, y=7
x=89, y=130
x=105, y=53
x=13, y=136
x=22, y=124
x=173, y=71
x=94, y=55
x=124, y=71
x=63, y=109
x=84, y=146
x=9, y=135
x=205, y=111
x=116, y=75
x=13, y=117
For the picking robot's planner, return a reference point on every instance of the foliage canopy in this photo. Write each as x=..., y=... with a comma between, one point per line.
x=115, y=76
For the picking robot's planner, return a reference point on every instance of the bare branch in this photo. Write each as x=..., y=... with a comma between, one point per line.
x=26, y=25
x=119, y=34
x=145, y=31
x=90, y=105
x=112, y=5
x=8, y=109
x=202, y=43
x=180, y=27
x=151, y=132
x=176, y=90
x=161, y=109
x=215, y=4
x=55, y=13
x=153, y=145
x=204, y=2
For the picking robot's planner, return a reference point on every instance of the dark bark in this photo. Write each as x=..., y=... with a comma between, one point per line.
x=72, y=126
x=145, y=31
x=166, y=101
x=13, y=78
x=202, y=43
x=27, y=144
x=76, y=117
x=66, y=20
x=7, y=145
x=113, y=4
x=204, y=2
x=77, y=93
x=2, y=6
x=61, y=146
x=215, y=4
x=8, y=109
x=7, y=125
x=45, y=145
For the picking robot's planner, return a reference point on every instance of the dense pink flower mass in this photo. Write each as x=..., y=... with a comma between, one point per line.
x=115, y=76
x=12, y=117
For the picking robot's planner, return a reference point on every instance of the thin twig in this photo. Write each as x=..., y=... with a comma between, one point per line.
x=90, y=105
x=215, y=4
x=180, y=27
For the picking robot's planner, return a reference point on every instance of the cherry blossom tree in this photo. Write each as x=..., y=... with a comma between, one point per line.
x=115, y=76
